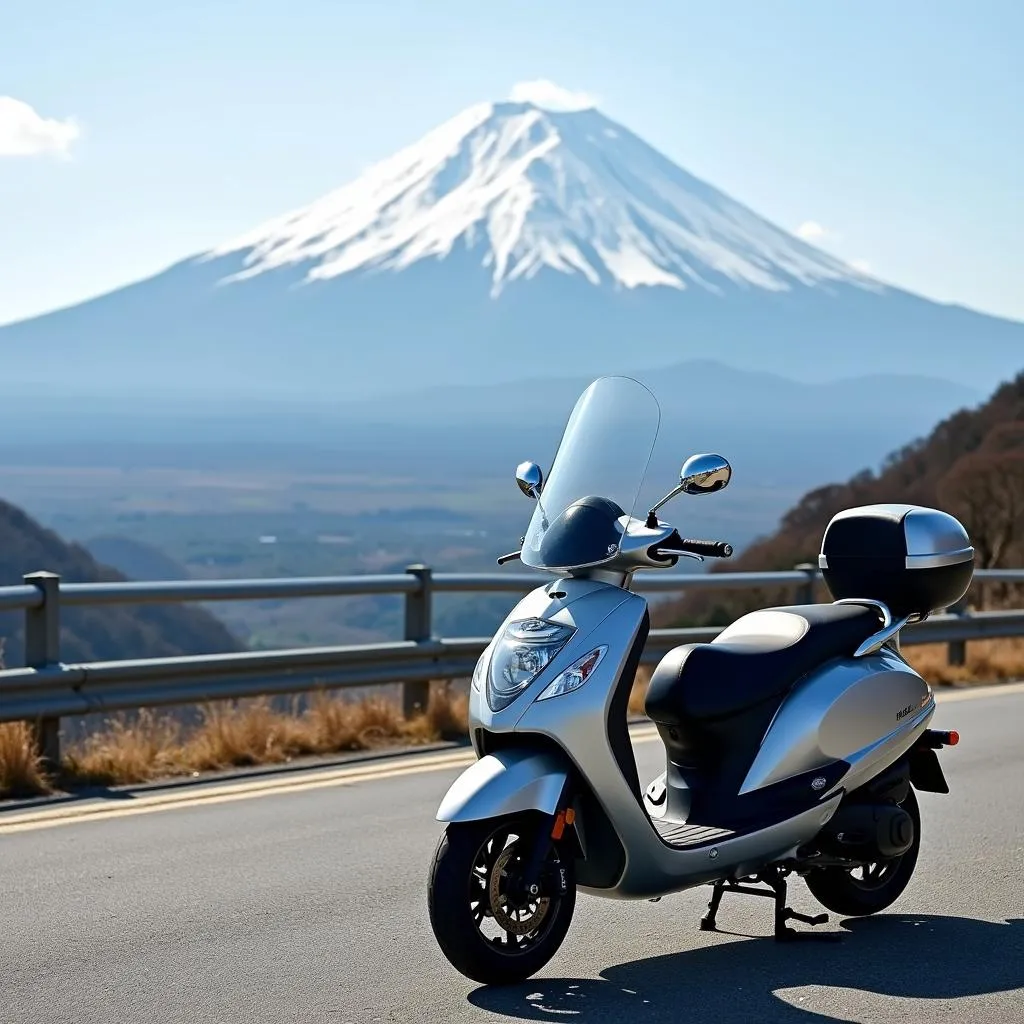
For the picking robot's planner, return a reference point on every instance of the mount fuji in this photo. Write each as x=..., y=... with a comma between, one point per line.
x=511, y=242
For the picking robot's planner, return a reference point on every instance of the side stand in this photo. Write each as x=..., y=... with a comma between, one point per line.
x=776, y=882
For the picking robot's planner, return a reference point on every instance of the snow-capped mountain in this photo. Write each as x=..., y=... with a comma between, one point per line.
x=531, y=189
x=510, y=243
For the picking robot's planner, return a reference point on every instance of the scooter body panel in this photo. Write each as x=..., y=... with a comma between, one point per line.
x=654, y=868
x=864, y=711
x=507, y=782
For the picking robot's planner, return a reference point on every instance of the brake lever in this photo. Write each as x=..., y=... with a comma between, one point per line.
x=675, y=552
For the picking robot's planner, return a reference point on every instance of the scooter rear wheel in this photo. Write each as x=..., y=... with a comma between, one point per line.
x=490, y=930
x=875, y=886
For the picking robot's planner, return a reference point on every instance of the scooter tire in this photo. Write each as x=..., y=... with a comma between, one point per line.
x=837, y=889
x=449, y=896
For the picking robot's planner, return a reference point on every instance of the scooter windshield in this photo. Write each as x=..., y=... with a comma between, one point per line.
x=595, y=478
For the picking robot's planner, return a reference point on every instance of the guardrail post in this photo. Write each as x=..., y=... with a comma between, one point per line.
x=956, y=650
x=42, y=649
x=805, y=591
x=418, y=627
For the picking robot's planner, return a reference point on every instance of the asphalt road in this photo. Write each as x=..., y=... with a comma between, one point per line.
x=307, y=904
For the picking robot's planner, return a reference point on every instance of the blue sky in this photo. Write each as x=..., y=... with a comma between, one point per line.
x=897, y=128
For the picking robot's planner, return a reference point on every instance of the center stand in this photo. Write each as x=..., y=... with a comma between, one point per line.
x=774, y=878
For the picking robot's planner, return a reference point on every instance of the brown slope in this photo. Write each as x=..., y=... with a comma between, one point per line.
x=90, y=634
x=972, y=465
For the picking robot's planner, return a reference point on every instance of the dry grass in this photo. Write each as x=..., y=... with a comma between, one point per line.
x=448, y=712
x=246, y=733
x=148, y=745
x=253, y=732
x=126, y=751
x=639, y=691
x=987, y=661
x=21, y=773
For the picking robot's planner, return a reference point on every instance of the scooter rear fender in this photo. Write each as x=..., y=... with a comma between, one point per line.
x=506, y=782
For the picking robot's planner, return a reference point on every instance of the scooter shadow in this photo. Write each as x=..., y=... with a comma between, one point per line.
x=912, y=956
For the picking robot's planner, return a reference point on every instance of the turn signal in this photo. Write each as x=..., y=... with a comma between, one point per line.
x=575, y=675
x=559, y=829
x=563, y=818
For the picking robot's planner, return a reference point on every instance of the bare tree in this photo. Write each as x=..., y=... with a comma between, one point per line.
x=985, y=491
x=1006, y=437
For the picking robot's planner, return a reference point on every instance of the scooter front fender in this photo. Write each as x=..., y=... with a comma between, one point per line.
x=506, y=782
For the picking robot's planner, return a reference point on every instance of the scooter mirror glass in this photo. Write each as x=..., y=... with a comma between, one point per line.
x=704, y=474
x=530, y=479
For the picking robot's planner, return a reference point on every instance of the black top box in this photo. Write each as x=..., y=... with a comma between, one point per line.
x=913, y=559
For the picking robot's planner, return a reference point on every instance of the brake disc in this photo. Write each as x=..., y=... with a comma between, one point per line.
x=506, y=916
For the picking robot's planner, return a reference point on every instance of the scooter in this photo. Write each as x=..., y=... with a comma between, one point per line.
x=794, y=741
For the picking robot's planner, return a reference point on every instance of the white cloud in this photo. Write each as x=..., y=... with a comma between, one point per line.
x=546, y=94
x=23, y=132
x=862, y=265
x=812, y=231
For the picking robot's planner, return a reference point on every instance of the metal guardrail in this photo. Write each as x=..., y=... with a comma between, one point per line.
x=46, y=689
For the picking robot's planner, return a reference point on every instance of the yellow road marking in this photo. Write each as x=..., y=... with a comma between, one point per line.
x=349, y=775
x=215, y=794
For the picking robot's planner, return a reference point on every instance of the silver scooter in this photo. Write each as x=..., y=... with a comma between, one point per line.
x=794, y=740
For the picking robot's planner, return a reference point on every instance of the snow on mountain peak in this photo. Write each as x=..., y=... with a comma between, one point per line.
x=526, y=189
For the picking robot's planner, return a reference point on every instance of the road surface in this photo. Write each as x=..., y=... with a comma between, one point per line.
x=302, y=899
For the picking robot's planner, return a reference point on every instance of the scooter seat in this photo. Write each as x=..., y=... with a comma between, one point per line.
x=756, y=659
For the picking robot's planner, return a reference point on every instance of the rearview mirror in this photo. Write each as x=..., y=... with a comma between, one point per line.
x=704, y=474
x=530, y=479
x=701, y=474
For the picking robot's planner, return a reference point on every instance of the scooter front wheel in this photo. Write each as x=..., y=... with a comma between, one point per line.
x=488, y=924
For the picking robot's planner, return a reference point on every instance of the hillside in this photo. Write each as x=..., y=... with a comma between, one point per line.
x=95, y=634
x=136, y=560
x=971, y=465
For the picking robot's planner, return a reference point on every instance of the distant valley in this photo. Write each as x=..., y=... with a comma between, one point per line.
x=247, y=489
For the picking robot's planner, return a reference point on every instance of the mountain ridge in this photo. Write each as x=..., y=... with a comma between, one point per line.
x=500, y=246
x=570, y=191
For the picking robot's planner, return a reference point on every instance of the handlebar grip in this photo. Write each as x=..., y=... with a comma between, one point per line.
x=711, y=548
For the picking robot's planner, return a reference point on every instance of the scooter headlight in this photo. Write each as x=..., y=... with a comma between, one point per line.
x=575, y=675
x=523, y=651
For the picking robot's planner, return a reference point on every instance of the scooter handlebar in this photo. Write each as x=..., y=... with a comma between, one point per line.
x=710, y=548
